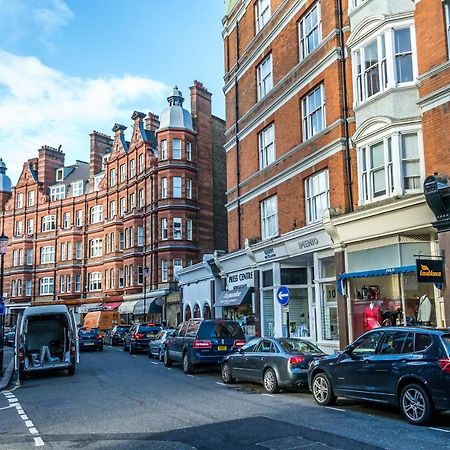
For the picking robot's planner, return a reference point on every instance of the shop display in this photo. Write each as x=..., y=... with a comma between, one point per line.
x=372, y=317
x=424, y=311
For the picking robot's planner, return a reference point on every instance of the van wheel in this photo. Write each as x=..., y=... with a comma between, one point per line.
x=270, y=381
x=188, y=367
x=416, y=405
x=322, y=390
x=71, y=370
x=167, y=360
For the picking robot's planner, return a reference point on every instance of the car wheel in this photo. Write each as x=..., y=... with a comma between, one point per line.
x=71, y=370
x=226, y=374
x=167, y=360
x=416, y=405
x=322, y=390
x=188, y=367
x=270, y=381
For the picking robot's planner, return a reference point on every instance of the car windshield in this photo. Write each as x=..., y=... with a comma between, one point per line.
x=297, y=346
x=226, y=330
x=149, y=329
x=90, y=332
x=446, y=339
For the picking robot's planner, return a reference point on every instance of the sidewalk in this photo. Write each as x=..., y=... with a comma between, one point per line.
x=8, y=367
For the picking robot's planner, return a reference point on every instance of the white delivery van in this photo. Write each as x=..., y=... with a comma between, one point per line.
x=46, y=339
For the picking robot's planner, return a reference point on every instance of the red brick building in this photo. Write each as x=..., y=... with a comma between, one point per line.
x=141, y=208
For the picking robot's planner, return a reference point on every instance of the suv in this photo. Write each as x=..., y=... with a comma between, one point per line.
x=203, y=341
x=139, y=336
x=408, y=367
x=116, y=334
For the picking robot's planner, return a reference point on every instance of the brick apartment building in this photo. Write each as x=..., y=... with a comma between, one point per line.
x=327, y=153
x=142, y=207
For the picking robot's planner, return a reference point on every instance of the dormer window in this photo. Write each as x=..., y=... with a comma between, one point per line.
x=59, y=174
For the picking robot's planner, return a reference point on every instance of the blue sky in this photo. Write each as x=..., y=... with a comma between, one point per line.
x=68, y=67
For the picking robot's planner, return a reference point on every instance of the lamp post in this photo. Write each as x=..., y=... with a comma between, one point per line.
x=3, y=248
x=145, y=292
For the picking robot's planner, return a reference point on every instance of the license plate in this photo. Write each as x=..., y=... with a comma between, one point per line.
x=222, y=347
x=88, y=343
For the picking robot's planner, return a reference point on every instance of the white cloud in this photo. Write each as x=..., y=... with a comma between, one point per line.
x=42, y=106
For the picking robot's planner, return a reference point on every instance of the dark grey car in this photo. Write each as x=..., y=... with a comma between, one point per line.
x=156, y=346
x=276, y=363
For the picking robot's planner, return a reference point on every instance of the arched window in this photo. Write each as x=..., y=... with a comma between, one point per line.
x=187, y=313
x=206, y=311
x=197, y=313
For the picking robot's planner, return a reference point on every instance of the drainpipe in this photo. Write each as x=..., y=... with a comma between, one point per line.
x=348, y=169
x=236, y=130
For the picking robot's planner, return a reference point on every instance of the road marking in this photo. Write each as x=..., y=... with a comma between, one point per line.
x=6, y=407
x=192, y=376
x=439, y=429
x=335, y=409
x=38, y=442
x=134, y=356
x=268, y=395
x=155, y=363
x=169, y=368
x=221, y=384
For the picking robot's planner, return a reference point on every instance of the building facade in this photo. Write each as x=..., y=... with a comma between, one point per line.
x=106, y=231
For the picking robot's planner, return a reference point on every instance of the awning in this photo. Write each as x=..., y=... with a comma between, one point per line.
x=372, y=273
x=150, y=305
x=234, y=297
x=88, y=307
x=127, y=307
x=111, y=305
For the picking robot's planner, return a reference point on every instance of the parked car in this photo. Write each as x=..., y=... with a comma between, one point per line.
x=156, y=346
x=139, y=336
x=276, y=363
x=116, y=334
x=10, y=336
x=90, y=339
x=408, y=367
x=203, y=342
x=46, y=340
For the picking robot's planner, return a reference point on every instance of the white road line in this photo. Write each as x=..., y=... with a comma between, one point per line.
x=335, y=409
x=29, y=423
x=6, y=407
x=192, y=376
x=268, y=395
x=439, y=429
x=221, y=384
x=33, y=430
x=24, y=417
x=12, y=399
x=155, y=363
x=134, y=356
x=169, y=368
x=39, y=442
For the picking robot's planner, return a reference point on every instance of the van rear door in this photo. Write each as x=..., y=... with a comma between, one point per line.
x=17, y=339
x=74, y=334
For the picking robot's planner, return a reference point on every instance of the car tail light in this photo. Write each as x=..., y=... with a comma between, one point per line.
x=99, y=336
x=444, y=364
x=21, y=356
x=73, y=349
x=139, y=335
x=239, y=343
x=293, y=360
x=202, y=344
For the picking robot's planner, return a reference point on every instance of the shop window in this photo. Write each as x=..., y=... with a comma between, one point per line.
x=298, y=313
x=187, y=316
x=268, y=313
x=294, y=276
x=191, y=328
x=330, y=330
x=206, y=311
x=267, y=278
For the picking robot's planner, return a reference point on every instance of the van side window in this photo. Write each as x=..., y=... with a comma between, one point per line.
x=423, y=341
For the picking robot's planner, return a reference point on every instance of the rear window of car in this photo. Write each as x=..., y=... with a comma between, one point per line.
x=292, y=345
x=122, y=329
x=149, y=329
x=423, y=341
x=446, y=339
x=90, y=332
x=221, y=330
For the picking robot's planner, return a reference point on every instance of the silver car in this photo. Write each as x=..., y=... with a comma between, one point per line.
x=156, y=346
x=276, y=363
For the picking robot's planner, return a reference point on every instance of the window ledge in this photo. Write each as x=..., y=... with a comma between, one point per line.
x=379, y=95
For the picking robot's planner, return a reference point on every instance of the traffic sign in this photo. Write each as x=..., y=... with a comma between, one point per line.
x=2, y=308
x=283, y=295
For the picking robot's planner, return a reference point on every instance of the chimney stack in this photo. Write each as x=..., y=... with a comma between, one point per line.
x=151, y=122
x=99, y=144
x=50, y=159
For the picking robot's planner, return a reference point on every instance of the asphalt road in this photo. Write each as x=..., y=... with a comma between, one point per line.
x=119, y=401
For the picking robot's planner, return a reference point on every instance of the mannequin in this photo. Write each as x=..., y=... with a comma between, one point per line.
x=424, y=311
x=372, y=317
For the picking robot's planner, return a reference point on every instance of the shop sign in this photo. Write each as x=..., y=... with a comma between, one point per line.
x=430, y=271
x=308, y=243
x=240, y=279
x=269, y=253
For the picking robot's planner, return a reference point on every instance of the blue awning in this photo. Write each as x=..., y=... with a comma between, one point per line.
x=372, y=273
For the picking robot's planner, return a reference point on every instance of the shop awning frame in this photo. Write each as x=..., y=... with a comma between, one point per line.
x=127, y=307
x=234, y=297
x=150, y=305
x=372, y=273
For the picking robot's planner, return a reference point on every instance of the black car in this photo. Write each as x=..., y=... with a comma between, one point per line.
x=139, y=336
x=116, y=334
x=276, y=363
x=90, y=339
x=203, y=342
x=408, y=367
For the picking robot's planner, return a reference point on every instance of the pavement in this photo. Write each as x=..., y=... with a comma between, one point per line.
x=8, y=366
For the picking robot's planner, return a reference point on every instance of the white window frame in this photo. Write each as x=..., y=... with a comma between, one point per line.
x=140, y=236
x=177, y=264
x=112, y=209
x=141, y=198
x=30, y=198
x=30, y=257
x=47, y=254
x=188, y=150
x=19, y=228
x=311, y=111
x=57, y=192
x=122, y=206
x=77, y=282
x=176, y=149
x=79, y=217
x=317, y=196
x=77, y=188
x=447, y=23
x=262, y=14
x=164, y=270
x=95, y=247
x=269, y=217
x=132, y=168
x=95, y=281
x=30, y=226
x=189, y=228
x=20, y=256
x=189, y=188
x=62, y=284
x=19, y=288
x=62, y=251
x=264, y=77
x=78, y=249
x=112, y=177
x=48, y=223
x=66, y=220
x=123, y=172
x=305, y=31
x=28, y=288
x=177, y=183
x=266, y=146
x=132, y=201
x=164, y=187
x=141, y=163
x=19, y=203
x=68, y=283
x=163, y=152
x=177, y=228
x=46, y=286
x=96, y=213
x=164, y=229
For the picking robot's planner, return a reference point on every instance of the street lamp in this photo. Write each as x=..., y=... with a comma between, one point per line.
x=3, y=248
x=145, y=292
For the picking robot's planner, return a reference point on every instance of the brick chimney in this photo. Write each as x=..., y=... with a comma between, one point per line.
x=99, y=143
x=151, y=122
x=50, y=159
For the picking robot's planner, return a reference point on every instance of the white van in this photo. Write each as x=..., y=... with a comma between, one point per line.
x=46, y=339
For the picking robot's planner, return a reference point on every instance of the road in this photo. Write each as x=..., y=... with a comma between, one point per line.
x=119, y=401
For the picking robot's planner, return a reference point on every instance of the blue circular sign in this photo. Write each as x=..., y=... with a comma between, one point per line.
x=283, y=295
